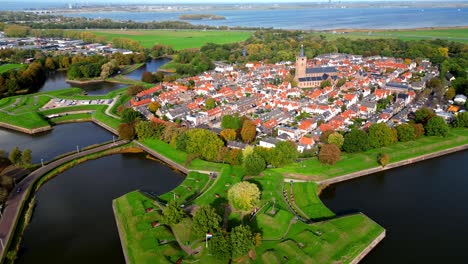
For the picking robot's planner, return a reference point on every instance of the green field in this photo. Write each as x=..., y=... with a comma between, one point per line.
x=453, y=34
x=178, y=39
x=7, y=67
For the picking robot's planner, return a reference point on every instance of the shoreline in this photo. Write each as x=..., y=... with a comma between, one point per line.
x=392, y=165
x=365, y=30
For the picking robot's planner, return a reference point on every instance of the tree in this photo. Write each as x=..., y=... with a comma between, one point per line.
x=383, y=159
x=329, y=154
x=324, y=136
x=244, y=195
x=337, y=139
x=172, y=213
x=436, y=126
x=15, y=155
x=235, y=157
x=49, y=64
x=380, y=135
x=242, y=240
x=154, y=106
x=148, y=129
x=230, y=121
x=6, y=181
x=248, y=131
x=461, y=120
x=129, y=115
x=254, y=164
x=126, y=131
x=325, y=83
x=228, y=134
x=203, y=142
x=356, y=140
x=220, y=246
x=405, y=132
x=418, y=130
x=450, y=94
x=26, y=158
x=3, y=195
x=423, y=115
x=206, y=220
x=135, y=89
x=283, y=153
x=210, y=103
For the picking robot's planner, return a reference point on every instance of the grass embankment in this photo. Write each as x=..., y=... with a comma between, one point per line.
x=7, y=67
x=25, y=110
x=178, y=39
x=71, y=118
x=313, y=170
x=451, y=34
x=285, y=238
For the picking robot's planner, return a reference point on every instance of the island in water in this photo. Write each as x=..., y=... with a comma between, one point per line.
x=201, y=17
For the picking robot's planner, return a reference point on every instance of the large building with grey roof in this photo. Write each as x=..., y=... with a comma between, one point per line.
x=312, y=77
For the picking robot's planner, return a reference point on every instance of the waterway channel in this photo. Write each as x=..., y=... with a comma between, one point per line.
x=423, y=206
x=58, y=81
x=60, y=140
x=73, y=220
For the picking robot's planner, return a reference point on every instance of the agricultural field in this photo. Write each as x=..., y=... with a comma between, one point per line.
x=452, y=34
x=178, y=39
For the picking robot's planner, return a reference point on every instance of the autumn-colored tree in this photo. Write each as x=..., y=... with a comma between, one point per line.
x=49, y=64
x=228, y=134
x=380, y=135
x=248, y=131
x=383, y=159
x=135, y=89
x=154, y=106
x=126, y=131
x=450, y=94
x=418, y=130
x=324, y=136
x=329, y=154
x=148, y=77
x=244, y=195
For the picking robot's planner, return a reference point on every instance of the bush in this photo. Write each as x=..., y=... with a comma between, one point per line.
x=383, y=159
x=244, y=195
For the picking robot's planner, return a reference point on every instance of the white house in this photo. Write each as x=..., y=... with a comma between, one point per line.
x=460, y=99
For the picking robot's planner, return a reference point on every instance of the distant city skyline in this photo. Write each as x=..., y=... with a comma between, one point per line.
x=209, y=1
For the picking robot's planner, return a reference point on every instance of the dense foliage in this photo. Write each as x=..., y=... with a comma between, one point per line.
x=244, y=195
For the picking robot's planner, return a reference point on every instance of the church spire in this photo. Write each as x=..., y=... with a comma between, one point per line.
x=301, y=54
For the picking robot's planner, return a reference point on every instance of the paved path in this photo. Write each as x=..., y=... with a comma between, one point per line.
x=16, y=201
x=108, y=112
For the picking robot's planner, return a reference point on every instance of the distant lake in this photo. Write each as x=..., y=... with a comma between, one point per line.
x=310, y=18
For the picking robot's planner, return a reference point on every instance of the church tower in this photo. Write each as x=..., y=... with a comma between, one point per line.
x=301, y=64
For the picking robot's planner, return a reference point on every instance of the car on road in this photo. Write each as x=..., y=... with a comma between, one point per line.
x=18, y=190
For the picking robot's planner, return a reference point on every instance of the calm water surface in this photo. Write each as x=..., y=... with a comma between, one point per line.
x=73, y=221
x=423, y=207
x=62, y=139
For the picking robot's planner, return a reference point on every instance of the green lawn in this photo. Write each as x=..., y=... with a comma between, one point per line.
x=453, y=34
x=141, y=240
x=359, y=161
x=7, y=67
x=71, y=118
x=335, y=241
x=307, y=200
x=188, y=189
x=178, y=39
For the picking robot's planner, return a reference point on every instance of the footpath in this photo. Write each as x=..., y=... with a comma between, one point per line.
x=16, y=201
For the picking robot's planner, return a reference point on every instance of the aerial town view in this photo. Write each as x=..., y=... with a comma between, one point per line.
x=201, y=131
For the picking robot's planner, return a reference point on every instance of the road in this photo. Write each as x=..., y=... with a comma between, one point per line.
x=16, y=201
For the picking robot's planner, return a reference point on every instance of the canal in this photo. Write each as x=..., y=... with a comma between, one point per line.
x=58, y=81
x=423, y=207
x=73, y=220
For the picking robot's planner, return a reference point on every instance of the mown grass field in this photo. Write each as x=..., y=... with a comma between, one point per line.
x=452, y=34
x=7, y=67
x=354, y=162
x=178, y=39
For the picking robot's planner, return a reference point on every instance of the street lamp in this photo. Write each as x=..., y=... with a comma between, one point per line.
x=113, y=139
x=42, y=162
x=77, y=149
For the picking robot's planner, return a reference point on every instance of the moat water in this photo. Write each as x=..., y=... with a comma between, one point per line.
x=422, y=206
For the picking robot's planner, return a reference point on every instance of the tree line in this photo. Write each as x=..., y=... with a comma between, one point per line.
x=378, y=135
x=18, y=158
